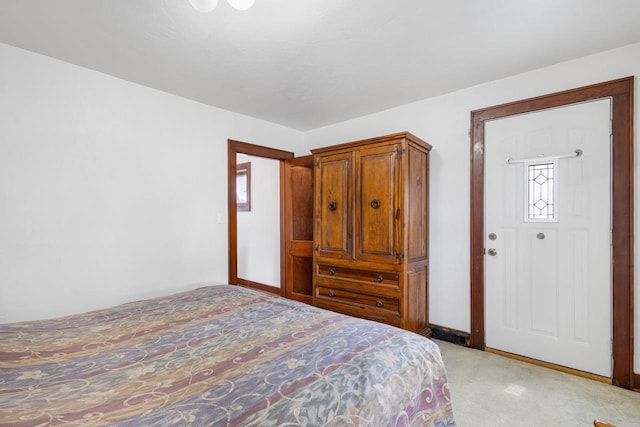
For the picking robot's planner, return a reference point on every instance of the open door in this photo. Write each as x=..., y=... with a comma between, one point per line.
x=296, y=221
x=298, y=228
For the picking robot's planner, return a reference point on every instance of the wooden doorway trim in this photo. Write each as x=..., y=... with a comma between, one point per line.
x=233, y=148
x=621, y=94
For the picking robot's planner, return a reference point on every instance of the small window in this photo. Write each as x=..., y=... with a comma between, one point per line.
x=541, y=192
x=243, y=187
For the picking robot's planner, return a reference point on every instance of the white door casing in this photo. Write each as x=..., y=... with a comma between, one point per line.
x=548, y=287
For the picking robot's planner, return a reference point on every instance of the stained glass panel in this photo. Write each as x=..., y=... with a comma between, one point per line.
x=541, y=195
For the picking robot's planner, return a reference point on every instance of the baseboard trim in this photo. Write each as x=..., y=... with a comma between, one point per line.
x=259, y=286
x=449, y=335
x=564, y=369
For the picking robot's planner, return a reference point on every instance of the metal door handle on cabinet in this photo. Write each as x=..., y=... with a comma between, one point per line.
x=333, y=206
x=375, y=203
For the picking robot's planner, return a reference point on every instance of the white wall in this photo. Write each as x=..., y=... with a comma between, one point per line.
x=444, y=122
x=259, y=229
x=109, y=191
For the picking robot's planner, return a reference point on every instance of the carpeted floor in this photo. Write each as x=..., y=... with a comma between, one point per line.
x=491, y=390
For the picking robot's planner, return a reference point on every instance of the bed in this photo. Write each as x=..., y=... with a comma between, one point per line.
x=219, y=355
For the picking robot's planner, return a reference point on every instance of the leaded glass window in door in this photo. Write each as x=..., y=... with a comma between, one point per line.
x=541, y=192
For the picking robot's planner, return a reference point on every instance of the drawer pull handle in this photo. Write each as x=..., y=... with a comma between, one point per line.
x=332, y=271
x=331, y=294
x=378, y=279
x=379, y=304
x=375, y=203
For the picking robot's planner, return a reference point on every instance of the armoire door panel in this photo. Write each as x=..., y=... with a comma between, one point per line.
x=376, y=203
x=333, y=206
x=418, y=188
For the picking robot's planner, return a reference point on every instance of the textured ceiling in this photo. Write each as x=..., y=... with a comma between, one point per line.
x=308, y=63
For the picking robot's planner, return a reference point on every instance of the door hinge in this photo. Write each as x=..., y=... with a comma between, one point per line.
x=610, y=127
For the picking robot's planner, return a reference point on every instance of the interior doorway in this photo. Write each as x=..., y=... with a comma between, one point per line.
x=621, y=94
x=234, y=149
x=284, y=264
x=258, y=219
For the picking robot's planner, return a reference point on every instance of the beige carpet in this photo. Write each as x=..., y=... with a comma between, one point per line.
x=491, y=390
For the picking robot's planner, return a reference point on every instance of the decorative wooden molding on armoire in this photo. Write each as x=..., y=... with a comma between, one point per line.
x=371, y=230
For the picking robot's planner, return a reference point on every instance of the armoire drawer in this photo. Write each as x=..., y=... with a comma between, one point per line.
x=355, y=305
x=358, y=275
x=358, y=299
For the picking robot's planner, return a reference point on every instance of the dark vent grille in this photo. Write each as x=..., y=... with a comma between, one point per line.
x=444, y=334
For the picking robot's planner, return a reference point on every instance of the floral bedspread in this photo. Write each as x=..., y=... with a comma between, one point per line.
x=219, y=355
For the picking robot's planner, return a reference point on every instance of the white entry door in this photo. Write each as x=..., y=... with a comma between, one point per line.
x=547, y=225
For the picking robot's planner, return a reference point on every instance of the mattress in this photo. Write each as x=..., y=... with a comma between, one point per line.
x=219, y=355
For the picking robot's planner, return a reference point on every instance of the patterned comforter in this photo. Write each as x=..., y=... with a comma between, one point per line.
x=220, y=355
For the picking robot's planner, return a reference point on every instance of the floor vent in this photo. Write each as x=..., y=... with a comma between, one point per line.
x=449, y=335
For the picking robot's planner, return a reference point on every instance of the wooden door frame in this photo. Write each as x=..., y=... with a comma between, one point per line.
x=233, y=148
x=621, y=94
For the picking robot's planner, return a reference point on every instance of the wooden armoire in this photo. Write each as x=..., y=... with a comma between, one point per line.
x=371, y=230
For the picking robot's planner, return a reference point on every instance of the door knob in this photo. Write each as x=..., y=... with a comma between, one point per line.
x=492, y=252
